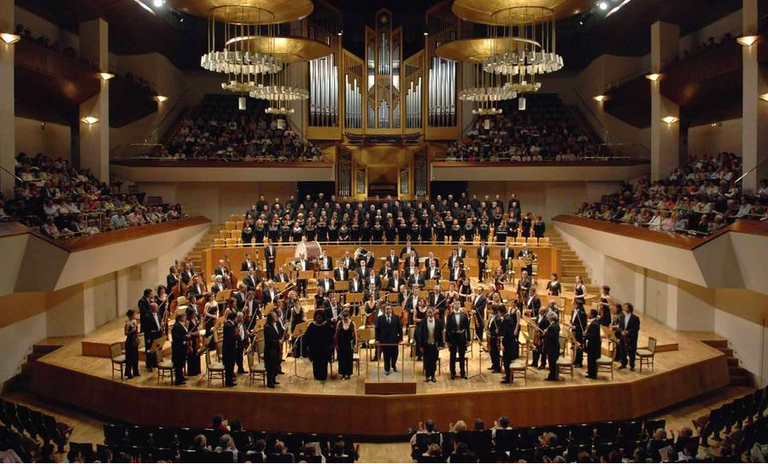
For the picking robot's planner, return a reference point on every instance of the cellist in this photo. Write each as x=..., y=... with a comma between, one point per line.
x=538, y=352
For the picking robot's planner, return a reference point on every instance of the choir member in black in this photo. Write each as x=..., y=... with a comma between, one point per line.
x=345, y=340
x=272, y=339
x=389, y=333
x=413, y=230
x=322, y=229
x=578, y=327
x=593, y=340
x=539, y=357
x=285, y=231
x=629, y=327
x=270, y=254
x=319, y=340
x=539, y=228
x=131, y=345
x=482, y=260
x=180, y=339
x=365, y=232
x=402, y=231
x=426, y=231
x=390, y=231
x=506, y=256
x=259, y=232
x=440, y=232
x=193, y=358
x=377, y=232
x=501, y=231
x=457, y=337
x=229, y=350
x=430, y=340
x=483, y=230
x=151, y=327
x=310, y=230
x=552, y=345
x=513, y=223
x=494, y=330
x=553, y=286
x=248, y=264
x=468, y=231
x=579, y=291
x=455, y=231
x=344, y=233
x=526, y=225
x=606, y=301
x=510, y=327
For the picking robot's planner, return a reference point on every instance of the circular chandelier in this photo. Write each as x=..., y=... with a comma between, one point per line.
x=487, y=111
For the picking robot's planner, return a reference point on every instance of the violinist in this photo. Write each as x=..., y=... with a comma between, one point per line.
x=532, y=304
x=372, y=309
x=355, y=284
x=163, y=307
x=479, y=302
x=131, y=345
x=239, y=295
x=438, y=300
x=218, y=285
x=187, y=273
x=524, y=286
x=499, y=278
x=386, y=271
x=594, y=344
x=324, y=262
x=494, y=330
x=195, y=343
x=432, y=270
x=269, y=294
x=196, y=288
x=192, y=304
x=541, y=324
x=579, y=327
x=326, y=283
x=251, y=281
x=320, y=298
x=210, y=313
x=483, y=252
x=251, y=307
x=173, y=279
x=340, y=273
x=179, y=345
x=457, y=272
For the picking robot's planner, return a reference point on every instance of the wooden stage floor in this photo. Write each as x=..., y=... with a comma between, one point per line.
x=341, y=406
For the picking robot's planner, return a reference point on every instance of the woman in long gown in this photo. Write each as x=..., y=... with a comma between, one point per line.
x=319, y=339
x=345, y=338
x=193, y=359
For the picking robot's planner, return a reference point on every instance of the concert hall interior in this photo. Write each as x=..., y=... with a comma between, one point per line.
x=383, y=231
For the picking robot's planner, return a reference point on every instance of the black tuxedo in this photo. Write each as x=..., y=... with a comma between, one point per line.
x=437, y=301
x=433, y=273
x=505, y=255
x=405, y=251
x=325, y=263
x=482, y=260
x=270, y=254
x=152, y=330
x=179, y=350
x=417, y=278
x=251, y=282
x=195, y=289
x=347, y=262
x=430, y=350
x=579, y=326
x=272, y=337
x=229, y=350
x=393, y=261
x=326, y=283
x=341, y=273
x=281, y=277
x=269, y=295
x=248, y=265
x=356, y=286
x=478, y=304
x=629, y=342
x=534, y=304
x=457, y=335
x=389, y=330
x=457, y=274
x=552, y=348
x=594, y=345
x=461, y=252
x=394, y=285
x=452, y=259
x=376, y=286
x=539, y=357
x=509, y=340
x=171, y=282
x=329, y=312
x=385, y=273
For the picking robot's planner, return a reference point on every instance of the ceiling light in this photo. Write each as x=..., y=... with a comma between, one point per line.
x=161, y=98
x=158, y=3
x=90, y=120
x=747, y=40
x=764, y=97
x=603, y=6
x=670, y=119
x=617, y=7
x=145, y=6
x=653, y=77
x=599, y=98
x=426, y=33
x=340, y=33
x=105, y=76
x=10, y=38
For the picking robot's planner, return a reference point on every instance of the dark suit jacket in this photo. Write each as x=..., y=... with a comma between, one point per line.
x=507, y=332
x=482, y=253
x=456, y=334
x=341, y=274
x=633, y=327
x=421, y=333
x=461, y=252
x=391, y=332
x=229, y=346
x=393, y=286
x=552, y=339
x=325, y=263
x=356, y=286
x=416, y=278
x=394, y=261
x=179, y=343
x=367, y=282
x=270, y=253
x=327, y=284
x=329, y=312
x=246, y=266
x=506, y=253
x=405, y=251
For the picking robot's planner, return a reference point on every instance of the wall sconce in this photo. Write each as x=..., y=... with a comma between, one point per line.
x=670, y=119
x=90, y=120
x=653, y=77
x=105, y=76
x=599, y=98
x=160, y=98
x=9, y=38
x=747, y=40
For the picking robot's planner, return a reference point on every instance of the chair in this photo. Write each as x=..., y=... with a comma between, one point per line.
x=219, y=243
x=223, y=234
x=237, y=235
x=646, y=356
x=164, y=367
x=115, y=434
x=118, y=358
x=229, y=225
x=231, y=242
x=532, y=241
x=519, y=366
x=544, y=241
x=605, y=363
x=215, y=369
x=564, y=363
x=256, y=369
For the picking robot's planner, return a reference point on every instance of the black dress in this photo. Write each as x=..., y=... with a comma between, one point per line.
x=333, y=233
x=322, y=232
x=390, y=232
x=515, y=342
x=319, y=339
x=439, y=233
x=354, y=233
x=554, y=288
x=402, y=232
x=309, y=231
x=377, y=233
x=345, y=339
x=455, y=233
x=578, y=294
x=414, y=232
x=193, y=360
x=258, y=233
x=605, y=312
x=426, y=232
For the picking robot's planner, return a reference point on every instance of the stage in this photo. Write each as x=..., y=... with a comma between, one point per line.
x=342, y=406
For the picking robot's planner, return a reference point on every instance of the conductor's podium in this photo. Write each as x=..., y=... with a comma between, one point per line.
x=402, y=382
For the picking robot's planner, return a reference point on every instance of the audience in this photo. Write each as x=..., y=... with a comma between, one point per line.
x=546, y=131
x=66, y=202
x=698, y=198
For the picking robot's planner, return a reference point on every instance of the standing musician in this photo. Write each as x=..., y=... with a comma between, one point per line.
x=363, y=269
x=461, y=252
x=416, y=279
x=345, y=339
x=457, y=338
x=270, y=294
x=629, y=326
x=408, y=250
x=524, y=286
x=270, y=254
x=510, y=332
x=529, y=257
x=248, y=264
x=355, y=284
x=324, y=262
x=173, y=279
x=332, y=310
x=386, y=271
x=272, y=340
x=553, y=286
x=195, y=343
x=433, y=270
x=454, y=259
x=479, y=302
x=229, y=350
x=606, y=301
x=457, y=271
x=579, y=327
x=372, y=282
x=579, y=291
x=281, y=275
x=494, y=330
x=499, y=279
x=506, y=255
x=151, y=327
x=347, y=261
x=241, y=341
x=393, y=259
x=239, y=295
x=437, y=299
x=389, y=331
x=594, y=344
x=251, y=280
x=187, y=273
x=181, y=337
x=552, y=345
x=482, y=260
x=430, y=341
x=302, y=265
x=251, y=307
x=532, y=303
x=131, y=331
x=411, y=304
x=431, y=261
x=341, y=273
x=539, y=357
x=326, y=283
x=395, y=282
x=196, y=288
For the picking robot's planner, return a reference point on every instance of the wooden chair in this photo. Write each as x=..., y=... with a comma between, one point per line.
x=564, y=363
x=232, y=242
x=214, y=369
x=164, y=367
x=544, y=241
x=256, y=368
x=532, y=241
x=646, y=356
x=229, y=225
x=118, y=358
x=219, y=243
x=237, y=235
x=519, y=367
x=605, y=362
x=223, y=234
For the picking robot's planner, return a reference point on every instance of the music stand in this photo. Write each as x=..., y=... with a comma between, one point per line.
x=298, y=337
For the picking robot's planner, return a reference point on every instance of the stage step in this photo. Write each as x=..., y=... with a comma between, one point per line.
x=739, y=375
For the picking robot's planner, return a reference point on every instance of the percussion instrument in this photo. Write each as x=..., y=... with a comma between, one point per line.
x=310, y=250
x=362, y=254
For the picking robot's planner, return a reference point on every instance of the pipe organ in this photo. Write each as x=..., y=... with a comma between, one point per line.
x=383, y=58
x=414, y=88
x=443, y=75
x=324, y=80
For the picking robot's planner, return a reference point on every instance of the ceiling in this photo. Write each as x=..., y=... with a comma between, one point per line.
x=132, y=30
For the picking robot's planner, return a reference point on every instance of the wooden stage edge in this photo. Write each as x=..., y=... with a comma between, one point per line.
x=378, y=415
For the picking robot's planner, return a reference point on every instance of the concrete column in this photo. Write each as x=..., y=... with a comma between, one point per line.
x=94, y=138
x=7, y=112
x=754, y=111
x=665, y=138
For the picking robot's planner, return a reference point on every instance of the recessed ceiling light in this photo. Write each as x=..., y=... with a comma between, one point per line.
x=105, y=76
x=158, y=3
x=670, y=119
x=599, y=98
x=161, y=98
x=90, y=120
x=747, y=40
x=603, y=6
x=653, y=77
